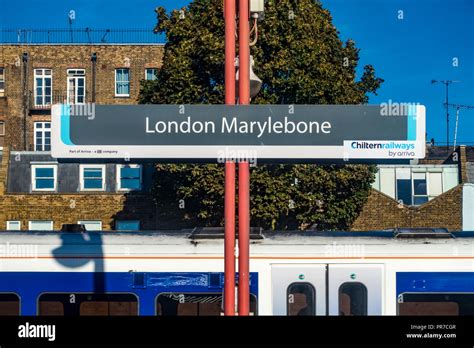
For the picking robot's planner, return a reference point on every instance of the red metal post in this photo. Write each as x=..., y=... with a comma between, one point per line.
x=229, y=200
x=244, y=171
x=244, y=231
x=229, y=242
x=244, y=53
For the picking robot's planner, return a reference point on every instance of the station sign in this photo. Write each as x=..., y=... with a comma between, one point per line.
x=268, y=132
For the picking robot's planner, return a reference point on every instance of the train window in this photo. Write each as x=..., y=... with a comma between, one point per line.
x=55, y=308
x=436, y=304
x=82, y=304
x=9, y=304
x=352, y=299
x=194, y=304
x=301, y=298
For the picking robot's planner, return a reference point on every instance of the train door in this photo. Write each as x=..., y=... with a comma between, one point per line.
x=299, y=289
x=322, y=289
x=355, y=289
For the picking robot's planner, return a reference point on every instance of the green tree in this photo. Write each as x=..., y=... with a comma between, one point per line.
x=301, y=60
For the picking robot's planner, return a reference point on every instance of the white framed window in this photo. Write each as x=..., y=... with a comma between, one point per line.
x=76, y=86
x=127, y=225
x=151, y=73
x=415, y=185
x=129, y=177
x=13, y=225
x=40, y=225
x=2, y=82
x=122, y=82
x=42, y=139
x=420, y=188
x=91, y=225
x=43, y=177
x=2, y=128
x=43, y=87
x=92, y=177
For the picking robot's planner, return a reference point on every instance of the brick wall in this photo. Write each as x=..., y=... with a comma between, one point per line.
x=383, y=212
x=59, y=58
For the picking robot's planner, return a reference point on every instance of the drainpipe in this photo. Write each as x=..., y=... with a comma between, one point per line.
x=25, y=101
x=94, y=66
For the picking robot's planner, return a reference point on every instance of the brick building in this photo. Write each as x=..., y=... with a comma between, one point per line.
x=37, y=192
x=434, y=192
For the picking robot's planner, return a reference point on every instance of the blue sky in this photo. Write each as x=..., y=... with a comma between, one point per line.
x=407, y=53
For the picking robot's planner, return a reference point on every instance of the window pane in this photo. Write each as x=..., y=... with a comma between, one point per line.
x=97, y=304
x=41, y=225
x=45, y=183
x=9, y=305
x=106, y=308
x=125, y=74
x=435, y=181
x=191, y=304
x=13, y=225
x=352, y=299
x=301, y=299
x=47, y=308
x=387, y=181
x=44, y=173
x=129, y=172
x=450, y=178
x=2, y=128
x=93, y=173
x=419, y=200
x=92, y=225
x=404, y=190
x=437, y=304
x=127, y=225
x=151, y=74
x=130, y=184
x=428, y=308
x=92, y=183
x=419, y=184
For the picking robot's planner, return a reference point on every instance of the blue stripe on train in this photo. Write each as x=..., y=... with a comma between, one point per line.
x=435, y=282
x=29, y=285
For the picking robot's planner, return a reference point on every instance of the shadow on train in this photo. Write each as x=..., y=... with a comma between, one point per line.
x=72, y=244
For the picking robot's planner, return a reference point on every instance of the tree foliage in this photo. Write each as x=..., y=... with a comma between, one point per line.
x=301, y=60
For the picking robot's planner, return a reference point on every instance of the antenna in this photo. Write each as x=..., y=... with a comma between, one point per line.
x=458, y=107
x=71, y=18
x=446, y=83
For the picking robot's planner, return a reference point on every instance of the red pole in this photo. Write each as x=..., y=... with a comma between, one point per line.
x=244, y=53
x=229, y=200
x=244, y=172
x=229, y=243
x=244, y=231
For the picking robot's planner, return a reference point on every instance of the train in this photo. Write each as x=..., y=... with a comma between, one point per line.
x=160, y=273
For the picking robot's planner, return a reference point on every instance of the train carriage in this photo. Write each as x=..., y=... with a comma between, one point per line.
x=423, y=272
